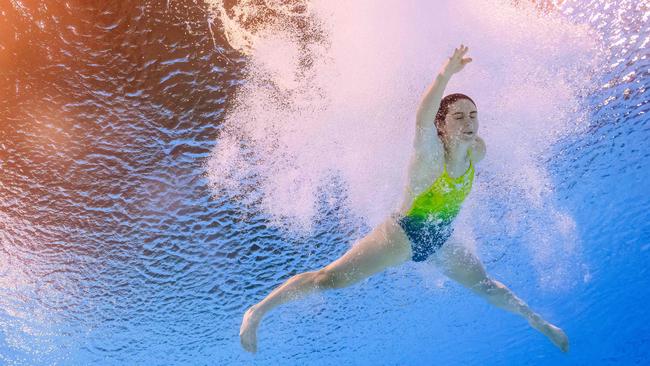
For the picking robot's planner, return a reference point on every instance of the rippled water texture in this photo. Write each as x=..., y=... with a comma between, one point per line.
x=166, y=164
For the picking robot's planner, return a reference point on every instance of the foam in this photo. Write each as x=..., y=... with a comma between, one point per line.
x=336, y=95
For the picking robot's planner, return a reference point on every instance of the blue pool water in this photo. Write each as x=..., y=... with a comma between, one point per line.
x=153, y=188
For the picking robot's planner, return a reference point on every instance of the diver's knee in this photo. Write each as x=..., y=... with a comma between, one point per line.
x=488, y=286
x=328, y=279
x=324, y=279
x=482, y=284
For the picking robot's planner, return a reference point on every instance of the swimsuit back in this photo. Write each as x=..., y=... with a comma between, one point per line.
x=443, y=199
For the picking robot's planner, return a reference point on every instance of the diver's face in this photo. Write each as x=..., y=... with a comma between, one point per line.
x=461, y=122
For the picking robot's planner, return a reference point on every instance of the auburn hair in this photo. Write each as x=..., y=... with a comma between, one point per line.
x=444, y=108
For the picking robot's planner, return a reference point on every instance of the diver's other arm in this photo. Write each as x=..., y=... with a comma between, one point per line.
x=478, y=149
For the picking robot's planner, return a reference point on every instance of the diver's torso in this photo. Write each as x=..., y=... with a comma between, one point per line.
x=435, y=187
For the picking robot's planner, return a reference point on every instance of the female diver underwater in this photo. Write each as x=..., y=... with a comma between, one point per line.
x=440, y=176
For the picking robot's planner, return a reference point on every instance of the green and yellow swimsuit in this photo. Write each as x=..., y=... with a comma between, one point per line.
x=428, y=222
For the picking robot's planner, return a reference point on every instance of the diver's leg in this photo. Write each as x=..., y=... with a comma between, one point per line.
x=463, y=266
x=385, y=246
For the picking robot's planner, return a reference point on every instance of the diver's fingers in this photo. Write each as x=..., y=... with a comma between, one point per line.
x=460, y=51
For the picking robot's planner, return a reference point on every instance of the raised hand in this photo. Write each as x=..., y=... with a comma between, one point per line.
x=457, y=61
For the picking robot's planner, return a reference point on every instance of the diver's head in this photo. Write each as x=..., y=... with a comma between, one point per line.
x=457, y=119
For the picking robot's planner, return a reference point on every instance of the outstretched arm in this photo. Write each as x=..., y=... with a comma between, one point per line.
x=430, y=102
x=428, y=156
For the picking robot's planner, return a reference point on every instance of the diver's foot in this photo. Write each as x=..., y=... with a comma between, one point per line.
x=554, y=334
x=248, y=330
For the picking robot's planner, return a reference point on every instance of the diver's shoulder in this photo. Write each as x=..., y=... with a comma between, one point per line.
x=478, y=149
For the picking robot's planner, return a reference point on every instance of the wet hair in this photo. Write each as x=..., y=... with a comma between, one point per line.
x=444, y=108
